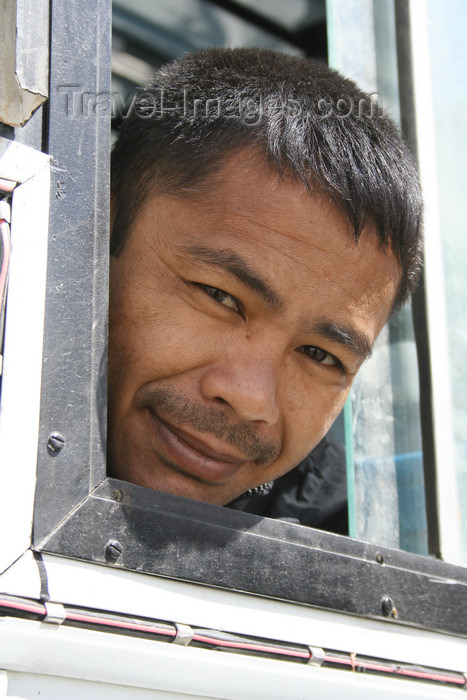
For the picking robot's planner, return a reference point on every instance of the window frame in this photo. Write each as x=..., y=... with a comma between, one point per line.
x=80, y=512
x=20, y=384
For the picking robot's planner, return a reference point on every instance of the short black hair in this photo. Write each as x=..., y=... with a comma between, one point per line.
x=301, y=116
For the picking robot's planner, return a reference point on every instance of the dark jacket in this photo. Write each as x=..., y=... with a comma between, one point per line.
x=314, y=493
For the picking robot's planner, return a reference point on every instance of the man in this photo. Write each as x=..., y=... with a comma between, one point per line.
x=266, y=221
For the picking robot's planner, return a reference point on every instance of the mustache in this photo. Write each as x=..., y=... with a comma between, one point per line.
x=212, y=421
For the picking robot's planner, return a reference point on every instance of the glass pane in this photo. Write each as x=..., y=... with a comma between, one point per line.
x=383, y=433
x=388, y=464
x=448, y=53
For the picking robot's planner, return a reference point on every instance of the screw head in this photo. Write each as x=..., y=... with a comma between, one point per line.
x=55, y=442
x=379, y=558
x=117, y=495
x=387, y=607
x=113, y=550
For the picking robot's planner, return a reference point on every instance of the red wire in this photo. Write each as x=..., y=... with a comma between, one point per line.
x=6, y=254
x=255, y=647
x=118, y=623
x=24, y=607
x=360, y=663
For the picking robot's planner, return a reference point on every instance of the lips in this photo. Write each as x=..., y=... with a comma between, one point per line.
x=190, y=455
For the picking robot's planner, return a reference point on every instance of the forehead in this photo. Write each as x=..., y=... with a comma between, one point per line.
x=301, y=242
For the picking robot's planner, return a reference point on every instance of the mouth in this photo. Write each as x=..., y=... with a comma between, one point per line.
x=191, y=456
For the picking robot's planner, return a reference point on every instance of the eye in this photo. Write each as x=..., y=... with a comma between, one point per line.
x=221, y=297
x=320, y=356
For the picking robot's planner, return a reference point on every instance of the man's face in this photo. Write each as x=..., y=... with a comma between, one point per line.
x=239, y=316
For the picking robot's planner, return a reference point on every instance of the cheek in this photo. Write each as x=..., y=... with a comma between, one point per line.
x=150, y=345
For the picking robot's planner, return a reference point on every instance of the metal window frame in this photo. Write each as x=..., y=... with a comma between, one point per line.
x=82, y=514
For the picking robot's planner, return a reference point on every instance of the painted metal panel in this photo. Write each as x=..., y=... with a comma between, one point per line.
x=21, y=380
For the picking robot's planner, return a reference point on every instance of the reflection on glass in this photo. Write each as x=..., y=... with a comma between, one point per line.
x=383, y=435
x=389, y=484
x=448, y=51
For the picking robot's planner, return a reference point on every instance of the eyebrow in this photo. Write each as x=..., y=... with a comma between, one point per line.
x=234, y=264
x=350, y=338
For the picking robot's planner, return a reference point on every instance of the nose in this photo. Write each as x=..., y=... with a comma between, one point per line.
x=247, y=383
